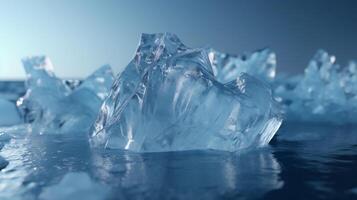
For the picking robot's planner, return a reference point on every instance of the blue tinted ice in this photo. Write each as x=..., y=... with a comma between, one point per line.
x=174, y=98
x=51, y=105
x=261, y=64
x=325, y=93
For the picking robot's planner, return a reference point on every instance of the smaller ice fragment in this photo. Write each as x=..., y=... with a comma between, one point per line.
x=52, y=105
x=325, y=93
x=75, y=186
x=9, y=115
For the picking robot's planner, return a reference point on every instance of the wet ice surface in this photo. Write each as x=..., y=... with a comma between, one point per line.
x=301, y=163
x=171, y=97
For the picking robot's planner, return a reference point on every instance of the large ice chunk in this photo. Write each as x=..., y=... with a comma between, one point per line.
x=51, y=105
x=171, y=98
x=325, y=93
x=9, y=115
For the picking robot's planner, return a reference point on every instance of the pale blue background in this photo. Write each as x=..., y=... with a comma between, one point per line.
x=81, y=35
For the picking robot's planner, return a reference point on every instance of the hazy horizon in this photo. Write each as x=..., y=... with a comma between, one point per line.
x=79, y=36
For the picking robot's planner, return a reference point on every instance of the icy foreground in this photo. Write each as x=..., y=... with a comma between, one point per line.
x=54, y=106
x=174, y=98
x=325, y=93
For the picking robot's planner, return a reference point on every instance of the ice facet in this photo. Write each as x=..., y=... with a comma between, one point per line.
x=9, y=114
x=326, y=93
x=52, y=105
x=171, y=98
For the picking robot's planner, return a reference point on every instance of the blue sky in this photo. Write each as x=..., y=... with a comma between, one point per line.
x=81, y=35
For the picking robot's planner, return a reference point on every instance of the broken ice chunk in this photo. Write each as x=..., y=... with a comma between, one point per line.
x=170, y=99
x=226, y=68
x=326, y=93
x=52, y=106
x=75, y=186
x=9, y=114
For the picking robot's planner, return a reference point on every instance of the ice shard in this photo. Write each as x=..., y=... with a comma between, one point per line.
x=325, y=93
x=52, y=105
x=174, y=98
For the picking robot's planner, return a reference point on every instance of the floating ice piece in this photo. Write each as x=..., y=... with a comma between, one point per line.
x=326, y=93
x=9, y=115
x=75, y=186
x=169, y=98
x=52, y=105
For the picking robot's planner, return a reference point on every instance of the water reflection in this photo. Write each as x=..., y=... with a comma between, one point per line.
x=39, y=161
x=319, y=161
x=188, y=175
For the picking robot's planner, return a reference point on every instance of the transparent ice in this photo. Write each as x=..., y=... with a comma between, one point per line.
x=53, y=105
x=174, y=98
x=325, y=93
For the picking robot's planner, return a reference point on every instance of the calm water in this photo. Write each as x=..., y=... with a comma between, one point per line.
x=302, y=162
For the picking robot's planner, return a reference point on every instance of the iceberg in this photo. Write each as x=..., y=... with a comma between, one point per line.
x=9, y=114
x=325, y=93
x=57, y=106
x=174, y=98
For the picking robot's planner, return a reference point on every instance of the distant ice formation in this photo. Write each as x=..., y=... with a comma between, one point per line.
x=53, y=106
x=174, y=98
x=325, y=93
x=260, y=64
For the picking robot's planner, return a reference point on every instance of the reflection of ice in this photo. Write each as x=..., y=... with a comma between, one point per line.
x=188, y=175
x=39, y=161
x=75, y=186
